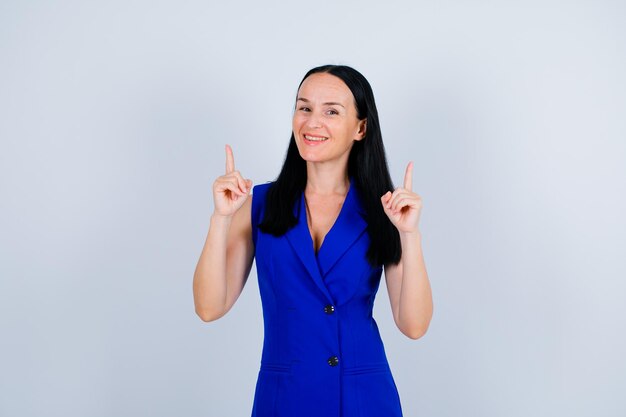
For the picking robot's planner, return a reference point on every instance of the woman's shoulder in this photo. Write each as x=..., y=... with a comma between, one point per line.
x=263, y=186
x=261, y=189
x=259, y=192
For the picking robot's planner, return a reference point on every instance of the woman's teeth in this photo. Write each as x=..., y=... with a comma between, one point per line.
x=313, y=138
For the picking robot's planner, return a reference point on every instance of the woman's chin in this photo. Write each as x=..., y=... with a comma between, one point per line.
x=312, y=158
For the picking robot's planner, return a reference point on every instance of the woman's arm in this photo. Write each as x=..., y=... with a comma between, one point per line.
x=224, y=264
x=409, y=288
x=407, y=282
x=226, y=259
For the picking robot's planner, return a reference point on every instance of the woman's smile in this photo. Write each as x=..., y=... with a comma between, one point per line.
x=314, y=140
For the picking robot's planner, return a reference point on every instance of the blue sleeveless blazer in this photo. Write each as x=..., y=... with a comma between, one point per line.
x=322, y=352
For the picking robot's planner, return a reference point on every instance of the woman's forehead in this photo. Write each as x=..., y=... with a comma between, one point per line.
x=324, y=87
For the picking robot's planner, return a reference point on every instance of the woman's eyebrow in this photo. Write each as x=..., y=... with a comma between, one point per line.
x=330, y=103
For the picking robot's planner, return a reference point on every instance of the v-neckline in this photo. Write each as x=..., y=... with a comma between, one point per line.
x=349, y=226
x=306, y=217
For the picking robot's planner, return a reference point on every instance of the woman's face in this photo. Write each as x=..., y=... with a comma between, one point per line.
x=325, y=123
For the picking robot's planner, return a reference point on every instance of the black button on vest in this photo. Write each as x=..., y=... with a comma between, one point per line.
x=329, y=309
x=333, y=361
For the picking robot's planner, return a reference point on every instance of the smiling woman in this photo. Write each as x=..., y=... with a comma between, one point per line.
x=326, y=114
x=321, y=234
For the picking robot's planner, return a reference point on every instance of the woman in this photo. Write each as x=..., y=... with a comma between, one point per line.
x=321, y=235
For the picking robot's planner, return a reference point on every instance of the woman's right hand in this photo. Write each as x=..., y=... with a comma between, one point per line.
x=231, y=190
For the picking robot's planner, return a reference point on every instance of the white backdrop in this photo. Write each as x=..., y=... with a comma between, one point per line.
x=114, y=117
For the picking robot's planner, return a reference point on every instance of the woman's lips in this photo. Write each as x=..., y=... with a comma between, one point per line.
x=314, y=140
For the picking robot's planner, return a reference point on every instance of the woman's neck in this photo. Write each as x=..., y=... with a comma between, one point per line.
x=327, y=180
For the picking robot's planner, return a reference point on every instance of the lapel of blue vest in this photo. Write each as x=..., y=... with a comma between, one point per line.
x=348, y=227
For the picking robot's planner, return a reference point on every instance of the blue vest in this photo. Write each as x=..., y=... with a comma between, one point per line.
x=322, y=353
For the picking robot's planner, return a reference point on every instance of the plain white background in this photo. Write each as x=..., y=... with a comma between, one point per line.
x=114, y=117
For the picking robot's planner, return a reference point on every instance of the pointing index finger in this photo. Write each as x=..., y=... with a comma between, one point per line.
x=230, y=160
x=408, y=176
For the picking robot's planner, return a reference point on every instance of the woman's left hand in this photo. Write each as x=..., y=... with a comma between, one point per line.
x=403, y=206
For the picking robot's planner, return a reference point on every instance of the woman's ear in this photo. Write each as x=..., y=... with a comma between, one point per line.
x=360, y=134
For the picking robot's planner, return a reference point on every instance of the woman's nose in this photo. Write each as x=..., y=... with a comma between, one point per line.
x=314, y=120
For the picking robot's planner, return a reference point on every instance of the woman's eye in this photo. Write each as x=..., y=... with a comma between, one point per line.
x=332, y=112
x=304, y=109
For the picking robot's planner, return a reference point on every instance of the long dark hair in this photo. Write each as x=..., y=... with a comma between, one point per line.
x=367, y=164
